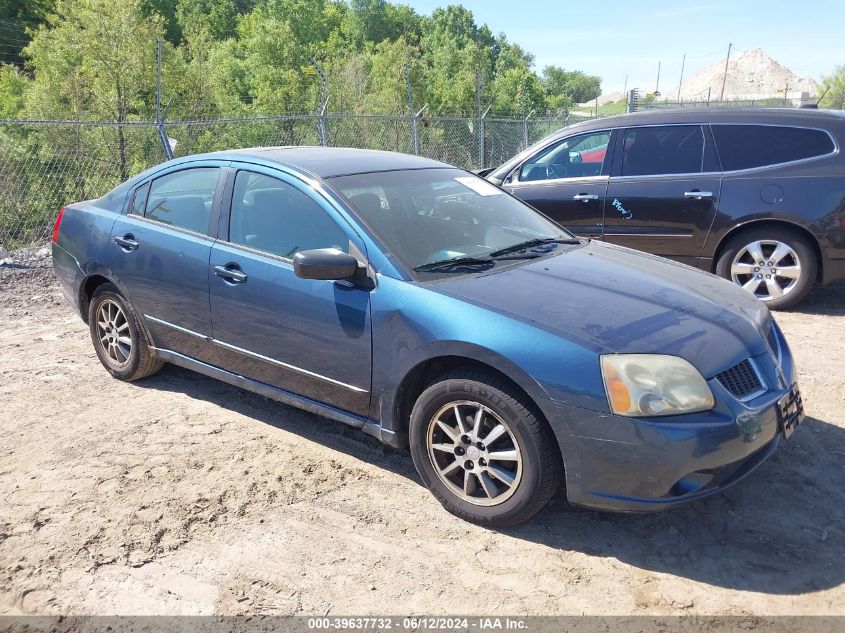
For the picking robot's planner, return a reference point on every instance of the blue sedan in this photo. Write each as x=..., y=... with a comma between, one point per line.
x=431, y=309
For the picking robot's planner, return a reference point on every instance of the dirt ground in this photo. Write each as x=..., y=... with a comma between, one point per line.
x=182, y=495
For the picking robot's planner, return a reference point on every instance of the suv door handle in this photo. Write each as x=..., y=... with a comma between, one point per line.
x=231, y=272
x=127, y=242
x=585, y=197
x=698, y=195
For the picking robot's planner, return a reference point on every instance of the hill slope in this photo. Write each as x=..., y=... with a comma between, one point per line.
x=751, y=73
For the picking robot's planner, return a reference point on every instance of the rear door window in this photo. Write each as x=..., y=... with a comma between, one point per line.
x=183, y=199
x=139, y=200
x=749, y=146
x=659, y=150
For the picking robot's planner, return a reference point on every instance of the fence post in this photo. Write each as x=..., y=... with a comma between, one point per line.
x=481, y=132
x=525, y=128
x=416, y=130
x=631, y=105
x=479, y=124
x=415, y=133
x=324, y=102
x=159, y=116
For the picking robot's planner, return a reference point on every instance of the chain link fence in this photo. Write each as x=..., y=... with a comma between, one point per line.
x=45, y=164
x=636, y=100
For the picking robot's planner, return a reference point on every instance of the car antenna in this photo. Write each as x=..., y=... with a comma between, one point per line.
x=822, y=97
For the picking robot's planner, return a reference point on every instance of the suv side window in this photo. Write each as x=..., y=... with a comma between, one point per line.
x=748, y=146
x=273, y=216
x=183, y=199
x=658, y=150
x=576, y=157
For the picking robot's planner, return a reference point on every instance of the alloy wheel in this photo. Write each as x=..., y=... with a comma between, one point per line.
x=113, y=332
x=474, y=453
x=768, y=269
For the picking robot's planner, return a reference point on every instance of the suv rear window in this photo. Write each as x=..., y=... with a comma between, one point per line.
x=747, y=146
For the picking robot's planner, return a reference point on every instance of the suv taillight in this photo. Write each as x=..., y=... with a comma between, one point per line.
x=57, y=224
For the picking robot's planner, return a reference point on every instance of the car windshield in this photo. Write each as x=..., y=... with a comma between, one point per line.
x=426, y=216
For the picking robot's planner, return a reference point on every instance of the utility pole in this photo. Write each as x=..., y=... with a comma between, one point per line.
x=625, y=89
x=725, y=76
x=681, y=80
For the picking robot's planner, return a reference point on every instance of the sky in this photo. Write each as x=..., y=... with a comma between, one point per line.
x=615, y=39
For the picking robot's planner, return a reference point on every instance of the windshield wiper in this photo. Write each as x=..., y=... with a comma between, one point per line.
x=453, y=262
x=532, y=243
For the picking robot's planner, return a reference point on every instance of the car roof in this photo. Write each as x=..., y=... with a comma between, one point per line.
x=328, y=162
x=798, y=116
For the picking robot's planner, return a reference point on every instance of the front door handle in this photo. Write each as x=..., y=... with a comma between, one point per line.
x=231, y=272
x=585, y=197
x=127, y=242
x=698, y=195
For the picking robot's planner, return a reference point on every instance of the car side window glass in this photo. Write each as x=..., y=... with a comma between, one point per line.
x=748, y=146
x=576, y=157
x=139, y=200
x=273, y=216
x=183, y=199
x=659, y=150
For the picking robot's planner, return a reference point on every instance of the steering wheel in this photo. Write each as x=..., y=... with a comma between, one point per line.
x=555, y=171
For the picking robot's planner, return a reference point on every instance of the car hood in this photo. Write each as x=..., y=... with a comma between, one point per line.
x=616, y=300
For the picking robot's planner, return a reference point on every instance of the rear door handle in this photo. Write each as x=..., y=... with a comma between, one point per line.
x=231, y=272
x=585, y=197
x=127, y=242
x=698, y=195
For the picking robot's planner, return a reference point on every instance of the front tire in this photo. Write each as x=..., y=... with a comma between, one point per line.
x=482, y=451
x=777, y=265
x=118, y=337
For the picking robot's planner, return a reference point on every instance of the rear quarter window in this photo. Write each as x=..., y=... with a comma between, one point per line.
x=749, y=146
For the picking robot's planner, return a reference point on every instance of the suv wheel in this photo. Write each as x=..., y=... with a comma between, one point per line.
x=775, y=264
x=117, y=336
x=482, y=451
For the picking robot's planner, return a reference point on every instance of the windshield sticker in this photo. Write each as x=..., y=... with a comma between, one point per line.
x=481, y=187
x=622, y=210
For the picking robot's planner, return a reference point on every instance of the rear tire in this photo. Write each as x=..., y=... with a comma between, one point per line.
x=490, y=459
x=118, y=338
x=775, y=263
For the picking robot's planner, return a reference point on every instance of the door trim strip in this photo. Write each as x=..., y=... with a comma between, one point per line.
x=178, y=327
x=685, y=235
x=255, y=355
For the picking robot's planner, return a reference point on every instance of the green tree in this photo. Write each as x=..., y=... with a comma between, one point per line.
x=95, y=60
x=453, y=48
x=218, y=17
x=17, y=19
x=564, y=88
x=13, y=87
x=373, y=21
x=834, y=85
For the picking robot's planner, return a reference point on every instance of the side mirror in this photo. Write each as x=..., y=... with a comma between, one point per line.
x=325, y=263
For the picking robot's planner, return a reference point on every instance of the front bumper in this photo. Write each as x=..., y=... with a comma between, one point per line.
x=644, y=464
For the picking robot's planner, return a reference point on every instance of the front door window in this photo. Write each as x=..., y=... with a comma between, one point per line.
x=580, y=156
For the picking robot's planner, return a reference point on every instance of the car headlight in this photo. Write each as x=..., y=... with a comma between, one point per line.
x=653, y=384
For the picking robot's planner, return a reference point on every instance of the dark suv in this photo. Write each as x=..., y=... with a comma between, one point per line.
x=754, y=195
